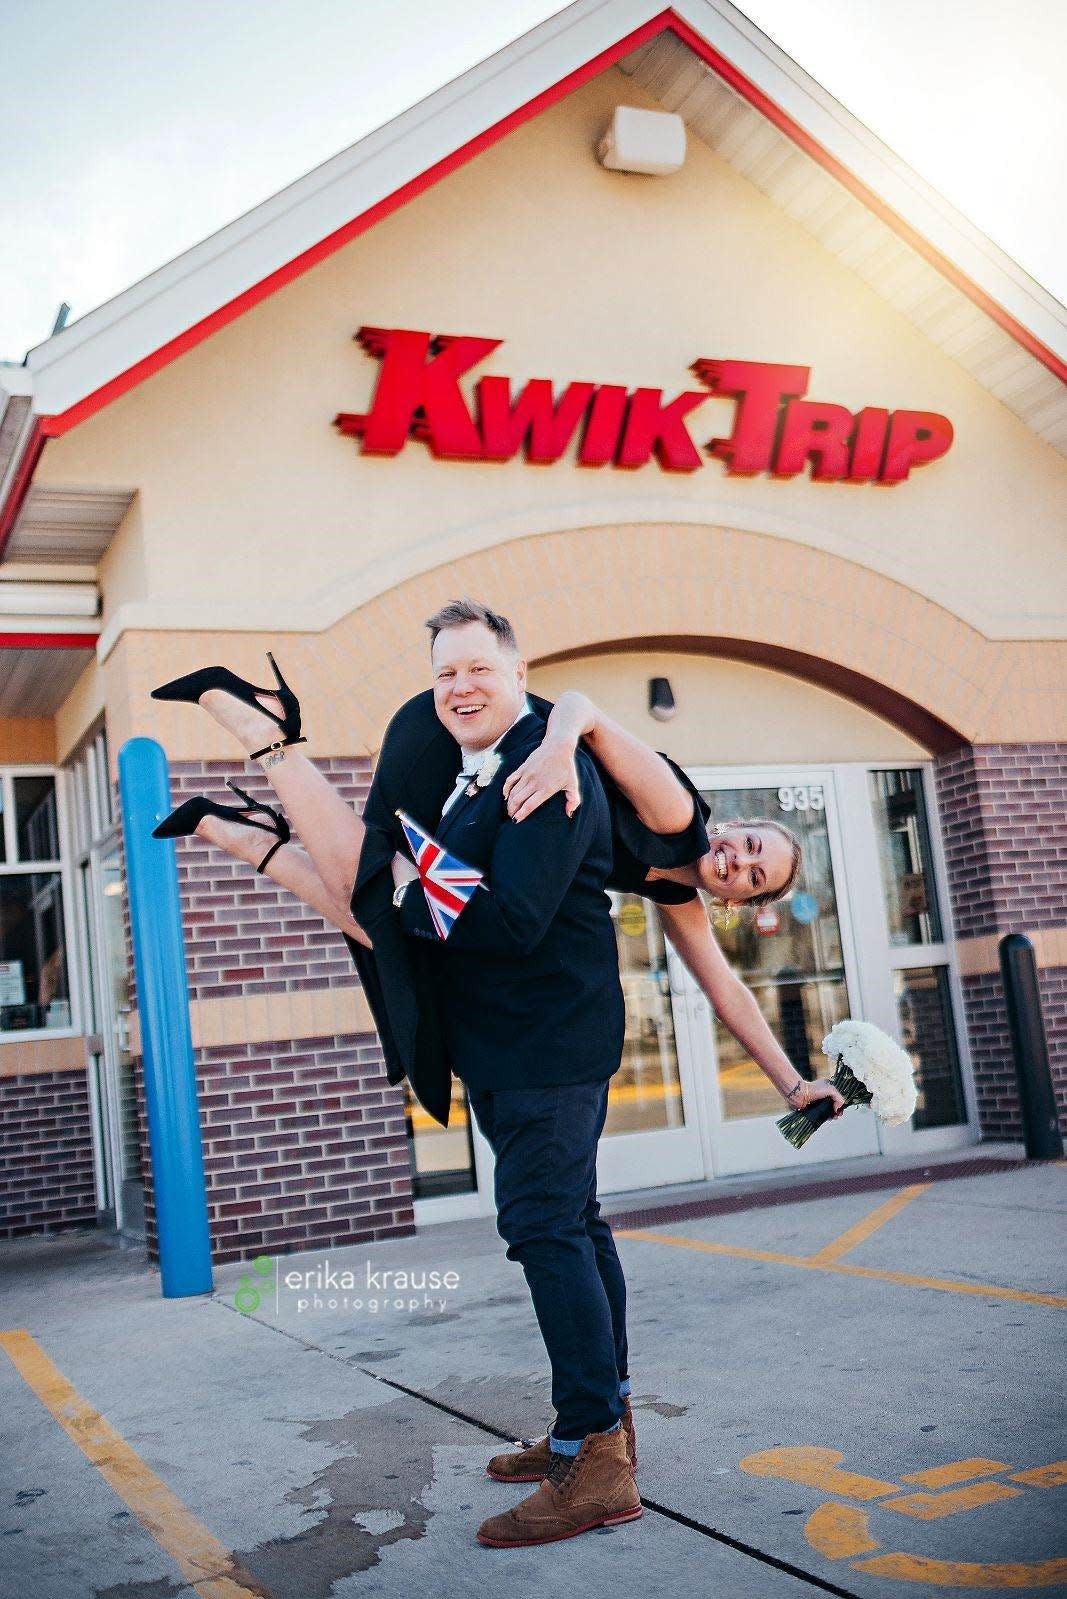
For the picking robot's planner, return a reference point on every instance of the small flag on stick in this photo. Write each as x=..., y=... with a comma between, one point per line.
x=447, y=882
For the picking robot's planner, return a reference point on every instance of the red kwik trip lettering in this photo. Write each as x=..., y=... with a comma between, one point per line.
x=418, y=393
x=536, y=419
x=761, y=388
x=915, y=437
x=603, y=425
x=816, y=432
x=775, y=430
x=868, y=444
x=652, y=427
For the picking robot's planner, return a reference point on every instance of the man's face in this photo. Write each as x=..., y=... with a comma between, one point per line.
x=478, y=684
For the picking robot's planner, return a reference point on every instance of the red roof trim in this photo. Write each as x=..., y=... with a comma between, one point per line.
x=48, y=641
x=856, y=186
x=20, y=486
x=54, y=426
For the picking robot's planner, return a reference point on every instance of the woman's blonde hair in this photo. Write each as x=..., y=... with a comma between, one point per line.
x=796, y=851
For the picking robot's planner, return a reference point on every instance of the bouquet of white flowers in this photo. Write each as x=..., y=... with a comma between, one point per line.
x=871, y=1070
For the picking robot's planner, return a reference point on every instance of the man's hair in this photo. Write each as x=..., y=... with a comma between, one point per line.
x=457, y=613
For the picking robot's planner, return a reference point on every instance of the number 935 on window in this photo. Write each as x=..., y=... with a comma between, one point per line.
x=801, y=797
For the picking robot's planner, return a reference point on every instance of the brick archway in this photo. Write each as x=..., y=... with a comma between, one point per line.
x=709, y=590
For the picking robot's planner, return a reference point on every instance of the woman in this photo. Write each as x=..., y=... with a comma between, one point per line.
x=753, y=862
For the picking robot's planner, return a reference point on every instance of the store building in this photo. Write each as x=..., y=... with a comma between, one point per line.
x=777, y=426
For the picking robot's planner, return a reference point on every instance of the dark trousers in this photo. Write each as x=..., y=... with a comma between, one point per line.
x=545, y=1141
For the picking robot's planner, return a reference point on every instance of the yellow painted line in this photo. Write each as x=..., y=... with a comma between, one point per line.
x=965, y=1573
x=869, y=1224
x=932, y=1507
x=212, y=1569
x=1052, y=1476
x=839, y=1531
x=946, y=1284
x=816, y=1467
x=956, y=1471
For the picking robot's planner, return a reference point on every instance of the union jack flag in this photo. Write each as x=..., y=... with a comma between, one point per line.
x=447, y=882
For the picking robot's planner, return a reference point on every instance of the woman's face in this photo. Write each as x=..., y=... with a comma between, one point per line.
x=745, y=860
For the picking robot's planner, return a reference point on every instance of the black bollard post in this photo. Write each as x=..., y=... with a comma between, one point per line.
x=1018, y=969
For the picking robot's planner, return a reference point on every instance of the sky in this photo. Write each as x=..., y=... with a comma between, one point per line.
x=134, y=128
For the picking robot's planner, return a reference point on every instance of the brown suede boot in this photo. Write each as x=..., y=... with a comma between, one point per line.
x=594, y=1488
x=531, y=1464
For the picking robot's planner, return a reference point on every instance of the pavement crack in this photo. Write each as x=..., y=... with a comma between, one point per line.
x=677, y=1516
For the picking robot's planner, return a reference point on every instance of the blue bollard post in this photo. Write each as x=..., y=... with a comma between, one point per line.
x=166, y=1039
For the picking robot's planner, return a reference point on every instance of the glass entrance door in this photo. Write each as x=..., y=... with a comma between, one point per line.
x=797, y=959
x=114, y=1096
x=652, y=1130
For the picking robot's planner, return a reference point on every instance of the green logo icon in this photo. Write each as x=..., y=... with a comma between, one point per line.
x=247, y=1296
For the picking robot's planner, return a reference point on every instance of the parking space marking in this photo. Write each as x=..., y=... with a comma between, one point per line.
x=211, y=1569
x=934, y=1507
x=956, y=1471
x=844, y=1269
x=842, y=1532
x=869, y=1224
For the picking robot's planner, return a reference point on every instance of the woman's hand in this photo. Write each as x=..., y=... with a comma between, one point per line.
x=550, y=769
x=821, y=1088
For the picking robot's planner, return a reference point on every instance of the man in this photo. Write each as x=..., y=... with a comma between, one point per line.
x=417, y=770
x=525, y=994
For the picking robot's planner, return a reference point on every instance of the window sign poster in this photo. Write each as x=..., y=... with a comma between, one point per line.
x=12, y=983
x=913, y=893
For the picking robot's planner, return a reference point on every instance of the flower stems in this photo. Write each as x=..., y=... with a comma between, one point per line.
x=798, y=1126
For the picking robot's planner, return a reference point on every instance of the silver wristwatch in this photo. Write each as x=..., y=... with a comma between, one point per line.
x=398, y=892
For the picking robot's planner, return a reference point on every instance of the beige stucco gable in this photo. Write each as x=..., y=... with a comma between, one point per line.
x=583, y=273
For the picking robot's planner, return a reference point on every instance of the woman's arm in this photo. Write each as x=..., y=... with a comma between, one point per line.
x=690, y=932
x=646, y=780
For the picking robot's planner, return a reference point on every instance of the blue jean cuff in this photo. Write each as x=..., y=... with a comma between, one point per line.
x=571, y=1446
x=624, y=1387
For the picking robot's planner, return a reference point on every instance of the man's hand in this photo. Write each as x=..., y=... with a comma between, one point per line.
x=550, y=769
x=403, y=870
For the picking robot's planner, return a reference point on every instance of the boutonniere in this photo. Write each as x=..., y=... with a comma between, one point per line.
x=490, y=767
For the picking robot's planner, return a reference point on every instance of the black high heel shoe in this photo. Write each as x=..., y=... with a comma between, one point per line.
x=193, y=810
x=192, y=685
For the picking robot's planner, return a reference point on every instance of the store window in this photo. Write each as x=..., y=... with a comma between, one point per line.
x=442, y=1158
x=904, y=852
x=102, y=918
x=34, y=982
x=917, y=952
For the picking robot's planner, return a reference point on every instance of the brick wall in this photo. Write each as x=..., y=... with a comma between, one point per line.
x=1004, y=823
x=304, y=1145
x=46, y=1156
x=304, y=1139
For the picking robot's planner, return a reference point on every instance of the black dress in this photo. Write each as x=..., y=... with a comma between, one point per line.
x=416, y=771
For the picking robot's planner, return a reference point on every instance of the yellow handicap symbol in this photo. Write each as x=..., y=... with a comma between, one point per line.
x=841, y=1531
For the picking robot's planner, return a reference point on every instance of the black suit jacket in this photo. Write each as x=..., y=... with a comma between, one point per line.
x=529, y=992
x=416, y=771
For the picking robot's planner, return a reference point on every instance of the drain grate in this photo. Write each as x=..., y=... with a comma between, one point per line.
x=827, y=1188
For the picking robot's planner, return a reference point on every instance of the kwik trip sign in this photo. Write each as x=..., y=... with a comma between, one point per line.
x=775, y=429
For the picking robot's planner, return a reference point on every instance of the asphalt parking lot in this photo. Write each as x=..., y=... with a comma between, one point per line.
x=858, y=1394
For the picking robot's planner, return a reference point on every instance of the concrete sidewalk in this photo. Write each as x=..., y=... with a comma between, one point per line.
x=857, y=1394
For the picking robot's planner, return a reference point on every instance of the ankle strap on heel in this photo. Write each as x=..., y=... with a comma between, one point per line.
x=279, y=744
x=270, y=852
